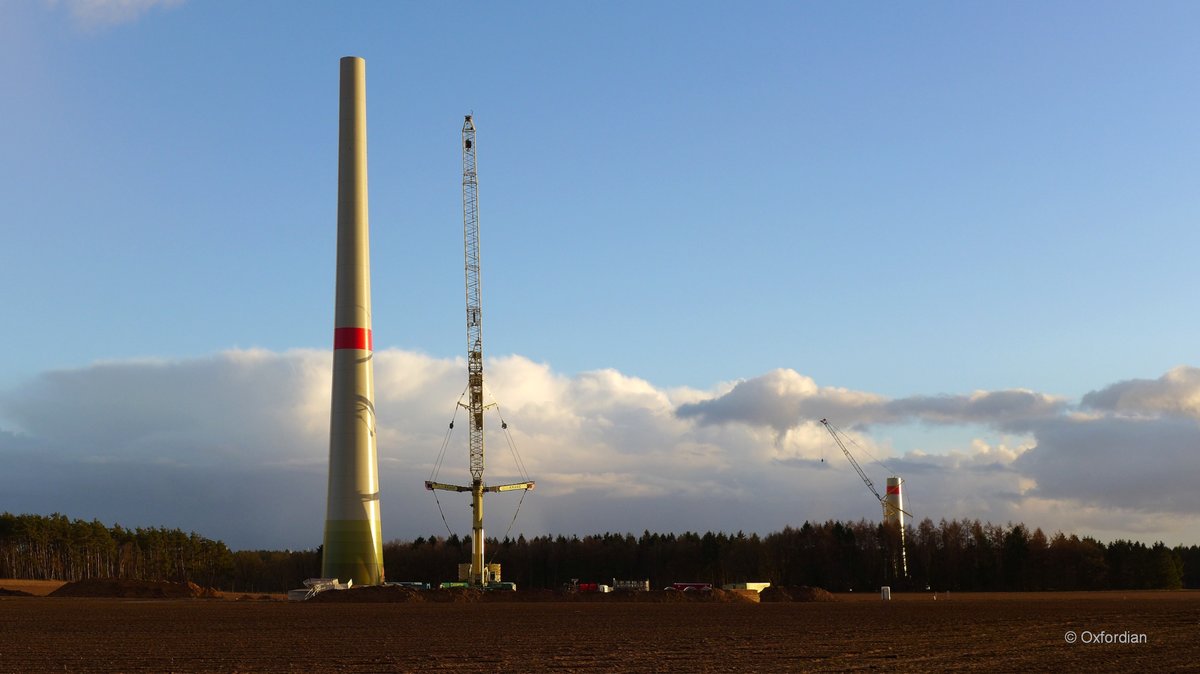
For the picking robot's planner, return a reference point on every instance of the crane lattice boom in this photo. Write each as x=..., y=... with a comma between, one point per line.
x=479, y=573
x=891, y=510
x=887, y=507
x=474, y=302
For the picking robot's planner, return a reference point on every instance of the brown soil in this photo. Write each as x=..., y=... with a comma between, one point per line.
x=139, y=589
x=1002, y=632
x=38, y=588
x=802, y=593
x=399, y=595
x=370, y=595
x=14, y=593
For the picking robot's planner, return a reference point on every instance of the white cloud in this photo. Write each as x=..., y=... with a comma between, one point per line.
x=785, y=399
x=1148, y=465
x=235, y=446
x=99, y=14
x=1176, y=393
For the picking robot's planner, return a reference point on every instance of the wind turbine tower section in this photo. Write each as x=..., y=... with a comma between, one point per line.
x=353, y=549
x=893, y=514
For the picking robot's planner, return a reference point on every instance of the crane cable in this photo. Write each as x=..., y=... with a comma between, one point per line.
x=520, y=464
x=512, y=448
x=437, y=466
x=512, y=445
x=863, y=449
x=510, y=524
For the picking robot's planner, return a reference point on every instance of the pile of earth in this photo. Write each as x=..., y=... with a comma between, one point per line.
x=382, y=594
x=801, y=593
x=371, y=594
x=138, y=589
x=714, y=595
x=14, y=593
x=249, y=597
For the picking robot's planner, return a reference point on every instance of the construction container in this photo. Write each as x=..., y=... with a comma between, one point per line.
x=631, y=585
x=757, y=587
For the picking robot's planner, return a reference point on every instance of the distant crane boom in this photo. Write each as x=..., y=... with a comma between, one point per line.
x=888, y=508
x=853, y=462
x=891, y=507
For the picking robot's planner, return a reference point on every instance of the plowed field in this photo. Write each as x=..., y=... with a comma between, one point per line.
x=963, y=632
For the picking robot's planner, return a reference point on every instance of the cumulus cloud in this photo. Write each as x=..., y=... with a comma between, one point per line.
x=235, y=446
x=1015, y=408
x=785, y=399
x=99, y=14
x=1129, y=451
x=1142, y=464
x=1175, y=393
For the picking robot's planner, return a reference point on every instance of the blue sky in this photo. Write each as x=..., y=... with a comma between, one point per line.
x=912, y=201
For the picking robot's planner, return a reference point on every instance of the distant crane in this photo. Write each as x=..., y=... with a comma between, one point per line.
x=478, y=573
x=893, y=505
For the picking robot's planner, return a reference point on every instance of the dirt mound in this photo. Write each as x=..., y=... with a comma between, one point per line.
x=454, y=595
x=802, y=593
x=499, y=596
x=463, y=595
x=661, y=597
x=370, y=594
x=14, y=593
x=139, y=589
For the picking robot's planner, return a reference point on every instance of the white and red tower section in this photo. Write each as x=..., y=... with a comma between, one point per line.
x=353, y=547
x=893, y=513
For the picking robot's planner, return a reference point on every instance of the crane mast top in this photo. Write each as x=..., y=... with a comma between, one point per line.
x=474, y=302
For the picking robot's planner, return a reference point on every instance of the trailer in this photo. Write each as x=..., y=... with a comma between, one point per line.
x=690, y=587
x=757, y=587
x=410, y=584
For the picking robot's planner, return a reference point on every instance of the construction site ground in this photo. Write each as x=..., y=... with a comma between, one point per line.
x=982, y=632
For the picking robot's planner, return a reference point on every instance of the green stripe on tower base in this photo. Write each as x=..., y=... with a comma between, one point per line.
x=353, y=551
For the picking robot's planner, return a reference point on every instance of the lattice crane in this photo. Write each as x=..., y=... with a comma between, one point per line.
x=475, y=406
x=891, y=506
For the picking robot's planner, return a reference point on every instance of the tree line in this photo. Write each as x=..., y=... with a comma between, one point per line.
x=54, y=547
x=957, y=555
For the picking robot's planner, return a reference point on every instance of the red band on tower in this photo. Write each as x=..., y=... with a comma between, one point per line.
x=352, y=338
x=893, y=489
